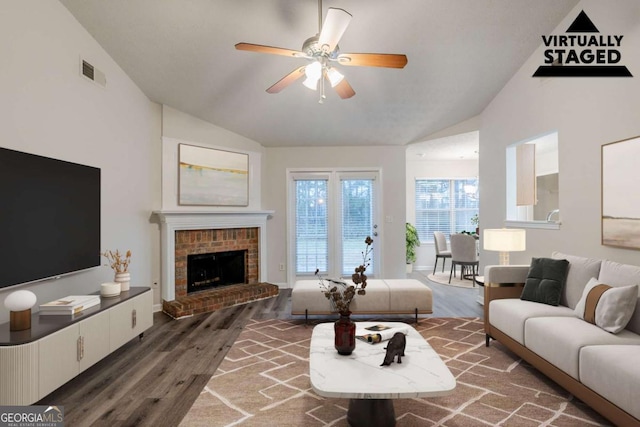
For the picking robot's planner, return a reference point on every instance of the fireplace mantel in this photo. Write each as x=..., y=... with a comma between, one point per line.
x=171, y=221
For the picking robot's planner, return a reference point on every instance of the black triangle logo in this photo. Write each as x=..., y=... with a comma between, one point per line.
x=582, y=24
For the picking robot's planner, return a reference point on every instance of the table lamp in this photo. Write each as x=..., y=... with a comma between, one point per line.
x=504, y=240
x=19, y=304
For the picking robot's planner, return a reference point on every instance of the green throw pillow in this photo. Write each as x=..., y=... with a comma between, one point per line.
x=545, y=280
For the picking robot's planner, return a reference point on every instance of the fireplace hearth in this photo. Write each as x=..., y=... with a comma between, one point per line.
x=215, y=270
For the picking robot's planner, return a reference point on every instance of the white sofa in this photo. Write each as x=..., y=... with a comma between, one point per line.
x=388, y=296
x=600, y=368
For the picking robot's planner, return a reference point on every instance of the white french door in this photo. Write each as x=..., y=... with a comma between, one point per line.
x=332, y=212
x=357, y=219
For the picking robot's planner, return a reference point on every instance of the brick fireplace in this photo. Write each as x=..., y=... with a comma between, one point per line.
x=192, y=233
x=192, y=242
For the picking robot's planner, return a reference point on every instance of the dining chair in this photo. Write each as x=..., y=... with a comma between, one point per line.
x=441, y=249
x=464, y=253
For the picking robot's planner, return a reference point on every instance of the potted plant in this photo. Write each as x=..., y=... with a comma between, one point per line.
x=475, y=221
x=412, y=242
x=341, y=294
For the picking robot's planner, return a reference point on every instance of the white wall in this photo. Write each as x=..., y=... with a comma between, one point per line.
x=48, y=109
x=391, y=161
x=421, y=168
x=587, y=113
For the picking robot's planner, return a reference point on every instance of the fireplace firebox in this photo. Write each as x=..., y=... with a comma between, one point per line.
x=214, y=270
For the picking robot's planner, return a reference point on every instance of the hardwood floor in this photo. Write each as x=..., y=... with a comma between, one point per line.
x=450, y=301
x=154, y=381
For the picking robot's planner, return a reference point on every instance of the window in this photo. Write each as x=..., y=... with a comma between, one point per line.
x=445, y=205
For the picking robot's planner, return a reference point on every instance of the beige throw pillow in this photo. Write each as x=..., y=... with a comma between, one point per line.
x=608, y=307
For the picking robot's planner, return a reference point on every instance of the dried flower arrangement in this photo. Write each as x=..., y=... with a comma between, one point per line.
x=339, y=293
x=118, y=262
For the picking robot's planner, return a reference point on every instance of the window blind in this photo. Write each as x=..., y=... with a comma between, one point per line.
x=445, y=205
x=357, y=221
x=312, y=238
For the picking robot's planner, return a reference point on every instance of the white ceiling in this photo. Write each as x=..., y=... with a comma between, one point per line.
x=460, y=54
x=463, y=146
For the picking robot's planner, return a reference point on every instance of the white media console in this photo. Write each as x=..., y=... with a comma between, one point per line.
x=35, y=362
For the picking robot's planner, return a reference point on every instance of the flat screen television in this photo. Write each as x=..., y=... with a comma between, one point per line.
x=49, y=217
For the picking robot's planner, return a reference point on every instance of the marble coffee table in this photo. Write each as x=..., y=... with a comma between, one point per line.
x=371, y=387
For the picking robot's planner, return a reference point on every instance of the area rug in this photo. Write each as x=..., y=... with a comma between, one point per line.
x=443, y=279
x=264, y=381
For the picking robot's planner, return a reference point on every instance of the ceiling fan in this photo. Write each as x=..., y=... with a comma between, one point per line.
x=323, y=52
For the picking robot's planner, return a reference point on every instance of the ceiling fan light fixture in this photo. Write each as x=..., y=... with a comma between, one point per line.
x=313, y=72
x=334, y=76
x=311, y=83
x=322, y=50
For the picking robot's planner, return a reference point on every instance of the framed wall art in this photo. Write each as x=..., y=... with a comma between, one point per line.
x=620, y=204
x=210, y=177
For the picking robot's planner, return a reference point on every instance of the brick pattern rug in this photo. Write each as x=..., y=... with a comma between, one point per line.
x=264, y=381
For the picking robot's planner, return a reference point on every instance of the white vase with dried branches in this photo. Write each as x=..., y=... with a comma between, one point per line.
x=120, y=265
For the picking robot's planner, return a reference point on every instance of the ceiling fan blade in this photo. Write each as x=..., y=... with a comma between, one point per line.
x=344, y=89
x=334, y=26
x=388, y=60
x=270, y=49
x=287, y=80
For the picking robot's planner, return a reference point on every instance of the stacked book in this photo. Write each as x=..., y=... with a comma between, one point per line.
x=378, y=333
x=70, y=305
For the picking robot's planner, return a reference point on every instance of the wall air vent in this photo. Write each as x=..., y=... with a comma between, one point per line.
x=87, y=69
x=92, y=73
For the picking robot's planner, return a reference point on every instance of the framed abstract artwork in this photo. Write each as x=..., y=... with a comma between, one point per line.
x=620, y=206
x=210, y=177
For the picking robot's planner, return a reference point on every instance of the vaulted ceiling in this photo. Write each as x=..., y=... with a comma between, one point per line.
x=460, y=54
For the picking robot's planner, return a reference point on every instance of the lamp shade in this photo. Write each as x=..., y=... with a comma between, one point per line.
x=504, y=239
x=311, y=83
x=313, y=72
x=334, y=76
x=20, y=300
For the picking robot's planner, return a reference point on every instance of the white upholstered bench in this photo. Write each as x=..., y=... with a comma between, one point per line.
x=388, y=296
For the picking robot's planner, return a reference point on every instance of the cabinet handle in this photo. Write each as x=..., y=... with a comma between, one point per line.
x=81, y=348
x=134, y=319
x=78, y=349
